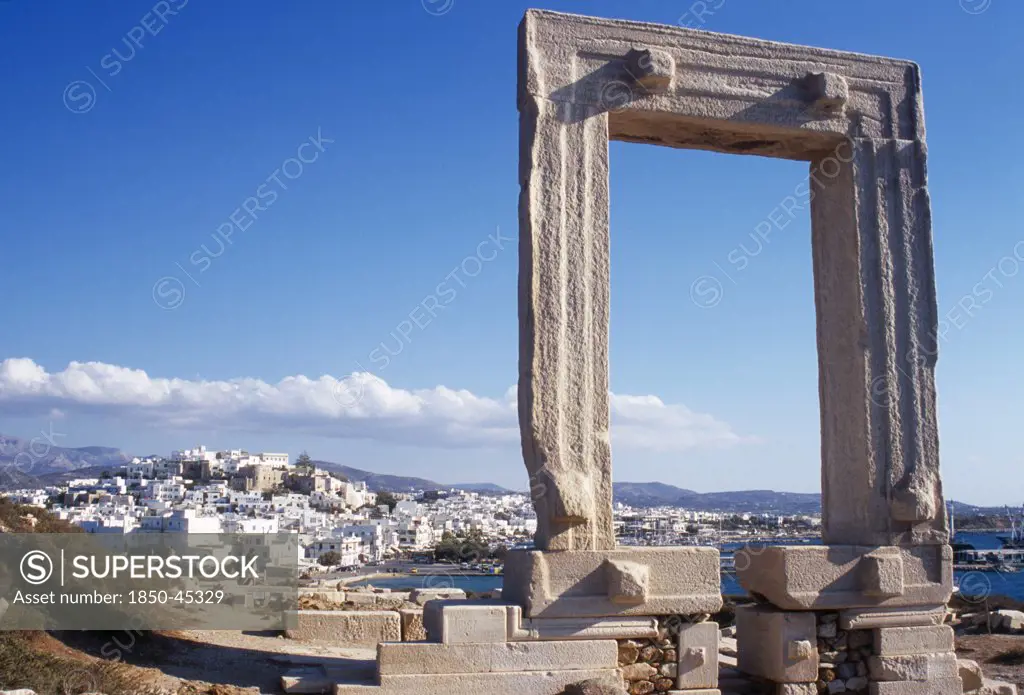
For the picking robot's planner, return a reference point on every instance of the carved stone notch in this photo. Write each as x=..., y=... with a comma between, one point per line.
x=652, y=69
x=827, y=91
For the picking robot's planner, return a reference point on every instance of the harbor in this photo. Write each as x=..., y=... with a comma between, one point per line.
x=985, y=566
x=1001, y=552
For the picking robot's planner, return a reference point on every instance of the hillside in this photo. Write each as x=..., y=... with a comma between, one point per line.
x=19, y=518
x=378, y=482
x=660, y=494
x=24, y=465
x=21, y=458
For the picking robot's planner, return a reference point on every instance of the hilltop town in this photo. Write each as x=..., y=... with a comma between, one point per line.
x=200, y=490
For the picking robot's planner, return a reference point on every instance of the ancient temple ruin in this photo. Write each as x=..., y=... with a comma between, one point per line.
x=577, y=603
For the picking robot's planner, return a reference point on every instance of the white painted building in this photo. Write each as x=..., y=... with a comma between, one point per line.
x=274, y=459
x=357, y=495
x=181, y=521
x=121, y=523
x=348, y=547
x=260, y=525
x=376, y=540
x=199, y=453
x=415, y=534
x=166, y=490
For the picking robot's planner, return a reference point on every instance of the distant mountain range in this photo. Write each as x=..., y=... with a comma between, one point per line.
x=395, y=483
x=378, y=482
x=23, y=461
x=27, y=465
x=661, y=494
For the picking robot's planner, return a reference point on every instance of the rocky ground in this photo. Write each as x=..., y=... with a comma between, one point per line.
x=1000, y=656
x=207, y=662
x=220, y=662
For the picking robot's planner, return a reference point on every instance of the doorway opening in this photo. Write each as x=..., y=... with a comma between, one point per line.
x=713, y=354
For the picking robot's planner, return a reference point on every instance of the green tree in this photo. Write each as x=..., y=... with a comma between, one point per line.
x=330, y=558
x=304, y=464
x=387, y=498
x=470, y=548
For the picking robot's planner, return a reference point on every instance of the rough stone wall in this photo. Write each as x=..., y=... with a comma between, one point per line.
x=844, y=656
x=648, y=666
x=652, y=665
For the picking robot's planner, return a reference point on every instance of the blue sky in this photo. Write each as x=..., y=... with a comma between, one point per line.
x=119, y=168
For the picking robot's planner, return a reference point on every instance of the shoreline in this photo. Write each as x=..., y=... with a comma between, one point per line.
x=426, y=572
x=366, y=577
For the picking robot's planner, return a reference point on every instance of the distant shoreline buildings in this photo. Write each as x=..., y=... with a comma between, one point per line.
x=198, y=490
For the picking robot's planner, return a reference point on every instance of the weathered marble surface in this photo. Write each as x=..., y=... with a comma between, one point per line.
x=858, y=121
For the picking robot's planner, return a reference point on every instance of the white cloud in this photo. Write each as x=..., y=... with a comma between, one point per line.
x=360, y=405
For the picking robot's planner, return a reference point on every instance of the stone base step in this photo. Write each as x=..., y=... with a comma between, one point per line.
x=740, y=686
x=735, y=682
x=933, y=686
x=317, y=679
x=424, y=658
x=532, y=683
x=308, y=680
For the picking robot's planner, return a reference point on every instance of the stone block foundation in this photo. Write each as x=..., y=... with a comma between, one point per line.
x=490, y=647
x=620, y=582
x=365, y=628
x=810, y=652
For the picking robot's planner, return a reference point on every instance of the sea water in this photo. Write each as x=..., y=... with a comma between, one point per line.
x=973, y=583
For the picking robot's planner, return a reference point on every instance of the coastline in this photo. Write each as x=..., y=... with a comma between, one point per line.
x=348, y=581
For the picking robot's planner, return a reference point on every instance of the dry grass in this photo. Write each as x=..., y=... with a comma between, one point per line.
x=39, y=662
x=21, y=518
x=34, y=660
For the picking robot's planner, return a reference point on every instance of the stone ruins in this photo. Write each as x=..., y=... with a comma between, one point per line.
x=580, y=614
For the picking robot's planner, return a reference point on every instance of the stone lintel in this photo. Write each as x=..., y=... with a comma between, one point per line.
x=582, y=584
x=630, y=627
x=846, y=576
x=868, y=619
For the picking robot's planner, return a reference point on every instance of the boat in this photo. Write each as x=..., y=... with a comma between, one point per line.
x=1004, y=567
x=1016, y=537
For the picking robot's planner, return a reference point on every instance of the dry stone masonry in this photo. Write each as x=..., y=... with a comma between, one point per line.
x=683, y=655
x=580, y=614
x=880, y=653
x=843, y=656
